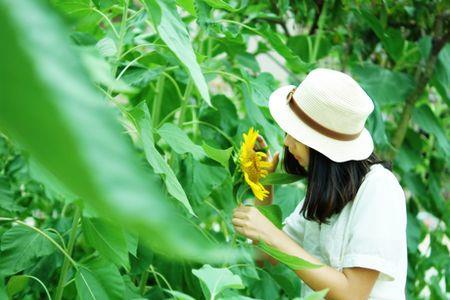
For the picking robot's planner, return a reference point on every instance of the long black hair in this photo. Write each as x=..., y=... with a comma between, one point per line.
x=330, y=185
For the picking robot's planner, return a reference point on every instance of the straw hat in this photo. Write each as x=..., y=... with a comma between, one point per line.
x=326, y=112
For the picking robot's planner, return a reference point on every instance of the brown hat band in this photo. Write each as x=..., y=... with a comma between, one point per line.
x=316, y=126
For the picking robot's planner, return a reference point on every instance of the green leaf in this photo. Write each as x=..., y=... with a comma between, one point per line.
x=286, y=278
x=6, y=197
x=441, y=77
x=99, y=280
x=375, y=124
x=154, y=158
x=317, y=295
x=217, y=279
x=303, y=46
x=260, y=87
x=280, y=178
x=173, y=32
x=426, y=119
x=20, y=246
x=201, y=179
x=16, y=284
x=293, y=60
x=54, y=112
x=220, y=4
x=3, y=294
x=51, y=183
x=257, y=118
x=382, y=85
x=179, y=141
x=272, y=212
x=188, y=5
x=179, y=295
x=108, y=238
x=219, y=155
x=292, y=262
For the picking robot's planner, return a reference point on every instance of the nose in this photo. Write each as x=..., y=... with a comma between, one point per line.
x=286, y=140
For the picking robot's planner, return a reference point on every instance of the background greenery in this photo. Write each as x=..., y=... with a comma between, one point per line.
x=118, y=121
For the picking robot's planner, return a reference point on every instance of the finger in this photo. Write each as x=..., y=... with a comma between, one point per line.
x=238, y=222
x=240, y=215
x=261, y=141
x=275, y=160
x=239, y=229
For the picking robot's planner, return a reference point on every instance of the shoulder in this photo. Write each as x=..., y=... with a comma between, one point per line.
x=382, y=179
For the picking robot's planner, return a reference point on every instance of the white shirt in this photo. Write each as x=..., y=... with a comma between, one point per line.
x=376, y=236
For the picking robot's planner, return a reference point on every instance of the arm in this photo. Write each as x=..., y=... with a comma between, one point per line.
x=352, y=283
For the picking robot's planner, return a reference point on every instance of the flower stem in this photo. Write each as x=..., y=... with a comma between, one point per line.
x=66, y=263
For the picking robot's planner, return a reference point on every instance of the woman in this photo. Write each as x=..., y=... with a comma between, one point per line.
x=352, y=219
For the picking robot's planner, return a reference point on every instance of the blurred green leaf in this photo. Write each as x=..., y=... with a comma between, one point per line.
x=54, y=112
x=16, y=284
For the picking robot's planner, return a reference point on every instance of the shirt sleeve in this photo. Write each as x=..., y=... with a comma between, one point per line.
x=294, y=224
x=377, y=230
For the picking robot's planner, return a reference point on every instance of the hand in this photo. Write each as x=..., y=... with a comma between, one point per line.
x=276, y=157
x=251, y=223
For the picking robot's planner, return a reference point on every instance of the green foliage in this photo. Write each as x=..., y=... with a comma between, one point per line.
x=121, y=121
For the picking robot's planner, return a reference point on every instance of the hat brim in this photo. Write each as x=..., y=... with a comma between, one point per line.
x=336, y=150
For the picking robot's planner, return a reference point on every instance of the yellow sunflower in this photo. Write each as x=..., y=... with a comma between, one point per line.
x=253, y=164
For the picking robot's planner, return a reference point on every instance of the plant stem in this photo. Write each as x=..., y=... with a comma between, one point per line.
x=143, y=282
x=156, y=110
x=187, y=94
x=323, y=15
x=66, y=263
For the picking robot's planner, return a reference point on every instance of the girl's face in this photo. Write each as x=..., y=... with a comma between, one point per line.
x=299, y=150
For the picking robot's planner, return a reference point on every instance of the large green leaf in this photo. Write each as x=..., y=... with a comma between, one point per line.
x=179, y=141
x=201, y=179
x=6, y=197
x=49, y=106
x=173, y=32
x=272, y=212
x=108, y=238
x=219, y=155
x=384, y=86
x=427, y=120
x=280, y=178
x=217, y=279
x=277, y=43
x=441, y=78
x=99, y=280
x=20, y=245
x=320, y=295
x=293, y=262
x=154, y=158
x=260, y=87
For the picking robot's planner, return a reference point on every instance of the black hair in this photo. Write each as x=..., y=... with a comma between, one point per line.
x=330, y=185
